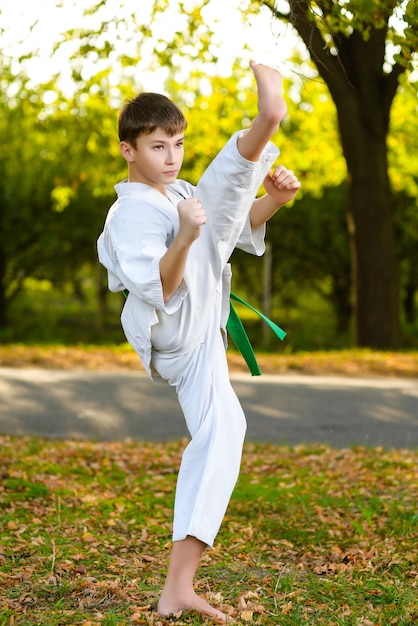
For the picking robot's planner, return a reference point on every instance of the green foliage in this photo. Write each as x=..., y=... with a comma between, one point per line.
x=402, y=139
x=62, y=160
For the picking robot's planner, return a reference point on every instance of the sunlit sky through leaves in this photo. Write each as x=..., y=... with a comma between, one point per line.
x=32, y=28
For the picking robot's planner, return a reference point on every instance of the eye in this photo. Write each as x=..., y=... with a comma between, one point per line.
x=180, y=144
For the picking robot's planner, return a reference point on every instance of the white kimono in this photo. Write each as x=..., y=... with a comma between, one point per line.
x=180, y=341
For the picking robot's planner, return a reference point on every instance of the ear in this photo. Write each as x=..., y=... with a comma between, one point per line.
x=126, y=151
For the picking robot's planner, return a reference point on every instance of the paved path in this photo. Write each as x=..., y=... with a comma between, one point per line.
x=280, y=409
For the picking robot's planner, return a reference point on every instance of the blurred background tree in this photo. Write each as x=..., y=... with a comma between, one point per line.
x=60, y=161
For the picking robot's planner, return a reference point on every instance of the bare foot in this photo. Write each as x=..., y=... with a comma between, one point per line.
x=271, y=105
x=271, y=110
x=171, y=606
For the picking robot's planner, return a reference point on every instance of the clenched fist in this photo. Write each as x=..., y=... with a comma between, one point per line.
x=281, y=184
x=191, y=217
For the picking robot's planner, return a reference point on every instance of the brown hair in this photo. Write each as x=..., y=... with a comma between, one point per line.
x=147, y=112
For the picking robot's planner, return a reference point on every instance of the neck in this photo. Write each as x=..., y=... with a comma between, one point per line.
x=134, y=178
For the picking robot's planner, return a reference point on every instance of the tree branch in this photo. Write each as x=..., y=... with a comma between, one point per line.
x=329, y=66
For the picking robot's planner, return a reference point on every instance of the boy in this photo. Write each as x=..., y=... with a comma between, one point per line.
x=168, y=243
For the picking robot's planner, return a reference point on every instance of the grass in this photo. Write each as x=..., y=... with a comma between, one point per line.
x=313, y=535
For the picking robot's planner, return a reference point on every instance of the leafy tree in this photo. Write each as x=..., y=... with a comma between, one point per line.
x=72, y=157
x=54, y=184
x=361, y=50
x=24, y=188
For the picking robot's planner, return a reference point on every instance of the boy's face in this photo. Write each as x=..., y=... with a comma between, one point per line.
x=156, y=160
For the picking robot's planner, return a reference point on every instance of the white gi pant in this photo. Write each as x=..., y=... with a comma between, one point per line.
x=189, y=349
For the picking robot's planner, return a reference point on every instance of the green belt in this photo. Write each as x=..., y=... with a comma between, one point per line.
x=239, y=335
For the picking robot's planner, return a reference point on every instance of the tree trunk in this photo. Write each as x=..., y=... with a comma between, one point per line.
x=409, y=306
x=363, y=109
x=376, y=305
x=343, y=308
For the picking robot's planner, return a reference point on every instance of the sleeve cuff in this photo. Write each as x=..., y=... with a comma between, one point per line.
x=252, y=240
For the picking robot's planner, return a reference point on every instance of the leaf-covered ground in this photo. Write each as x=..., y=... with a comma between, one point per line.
x=312, y=535
x=346, y=362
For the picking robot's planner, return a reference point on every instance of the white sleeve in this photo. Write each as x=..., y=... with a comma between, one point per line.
x=252, y=240
x=135, y=247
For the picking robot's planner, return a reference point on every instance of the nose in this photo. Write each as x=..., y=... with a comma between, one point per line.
x=171, y=157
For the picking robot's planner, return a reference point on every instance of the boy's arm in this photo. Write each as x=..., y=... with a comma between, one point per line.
x=191, y=217
x=281, y=187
